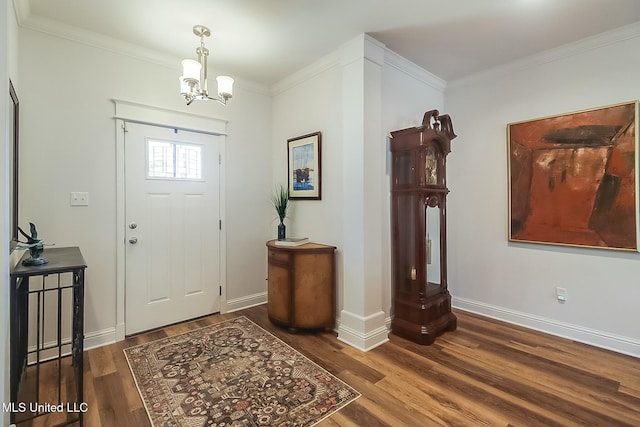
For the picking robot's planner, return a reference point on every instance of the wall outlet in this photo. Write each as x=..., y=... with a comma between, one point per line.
x=79, y=199
x=561, y=294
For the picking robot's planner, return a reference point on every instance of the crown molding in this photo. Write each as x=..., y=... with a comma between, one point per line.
x=99, y=41
x=598, y=41
x=402, y=64
x=321, y=65
x=361, y=47
x=335, y=59
x=90, y=38
x=22, y=9
x=354, y=48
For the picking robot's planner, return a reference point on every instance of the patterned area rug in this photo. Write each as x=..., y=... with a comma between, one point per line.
x=233, y=374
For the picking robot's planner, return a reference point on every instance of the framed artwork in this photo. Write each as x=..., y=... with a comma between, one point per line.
x=14, y=122
x=573, y=179
x=304, y=154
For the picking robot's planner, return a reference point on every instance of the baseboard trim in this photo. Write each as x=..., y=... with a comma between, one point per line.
x=363, y=333
x=363, y=342
x=605, y=340
x=91, y=340
x=246, y=302
x=117, y=333
x=100, y=338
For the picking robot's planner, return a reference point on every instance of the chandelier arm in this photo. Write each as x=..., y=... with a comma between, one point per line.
x=220, y=100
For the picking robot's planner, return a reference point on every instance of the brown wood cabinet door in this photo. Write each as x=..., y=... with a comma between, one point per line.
x=313, y=300
x=279, y=292
x=302, y=286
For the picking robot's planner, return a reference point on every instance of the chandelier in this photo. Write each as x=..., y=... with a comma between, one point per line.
x=193, y=83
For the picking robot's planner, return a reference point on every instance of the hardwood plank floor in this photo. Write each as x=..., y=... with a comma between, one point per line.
x=486, y=373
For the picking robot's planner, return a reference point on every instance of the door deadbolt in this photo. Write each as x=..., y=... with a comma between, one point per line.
x=133, y=226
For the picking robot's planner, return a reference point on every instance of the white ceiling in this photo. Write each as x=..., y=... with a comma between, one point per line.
x=266, y=40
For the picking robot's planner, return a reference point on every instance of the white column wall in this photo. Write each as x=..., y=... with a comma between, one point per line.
x=362, y=320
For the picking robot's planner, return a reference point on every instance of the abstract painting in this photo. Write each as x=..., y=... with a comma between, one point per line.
x=573, y=179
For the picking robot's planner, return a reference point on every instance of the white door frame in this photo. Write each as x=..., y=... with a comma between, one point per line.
x=126, y=111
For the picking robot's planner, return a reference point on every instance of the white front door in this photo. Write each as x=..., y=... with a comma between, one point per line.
x=172, y=198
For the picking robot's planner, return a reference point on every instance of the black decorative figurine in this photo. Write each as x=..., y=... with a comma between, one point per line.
x=34, y=245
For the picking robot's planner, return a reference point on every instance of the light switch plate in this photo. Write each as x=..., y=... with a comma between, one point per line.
x=79, y=199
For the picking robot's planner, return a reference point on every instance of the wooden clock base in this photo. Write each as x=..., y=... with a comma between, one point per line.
x=422, y=322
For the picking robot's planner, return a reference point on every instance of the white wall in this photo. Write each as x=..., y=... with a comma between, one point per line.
x=68, y=144
x=248, y=184
x=516, y=282
x=307, y=102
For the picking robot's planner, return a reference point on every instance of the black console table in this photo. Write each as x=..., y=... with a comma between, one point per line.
x=43, y=295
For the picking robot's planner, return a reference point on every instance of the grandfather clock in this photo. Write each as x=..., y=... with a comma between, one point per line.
x=421, y=300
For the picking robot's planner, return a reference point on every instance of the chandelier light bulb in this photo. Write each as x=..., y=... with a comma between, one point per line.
x=225, y=86
x=191, y=69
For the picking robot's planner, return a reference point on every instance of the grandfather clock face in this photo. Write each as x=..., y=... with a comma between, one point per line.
x=430, y=166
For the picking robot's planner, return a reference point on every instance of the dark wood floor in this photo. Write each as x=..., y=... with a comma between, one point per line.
x=484, y=373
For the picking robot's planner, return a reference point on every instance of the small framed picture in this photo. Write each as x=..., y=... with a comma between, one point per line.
x=304, y=154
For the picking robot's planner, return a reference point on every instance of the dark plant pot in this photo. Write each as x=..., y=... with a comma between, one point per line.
x=281, y=231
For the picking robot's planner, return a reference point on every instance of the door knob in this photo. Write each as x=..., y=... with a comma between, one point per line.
x=133, y=226
x=133, y=240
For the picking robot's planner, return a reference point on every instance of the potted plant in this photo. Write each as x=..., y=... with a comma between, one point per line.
x=280, y=200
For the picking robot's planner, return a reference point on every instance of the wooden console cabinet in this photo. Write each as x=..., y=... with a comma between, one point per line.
x=302, y=286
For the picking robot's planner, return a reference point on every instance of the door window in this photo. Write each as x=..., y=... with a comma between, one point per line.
x=173, y=160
